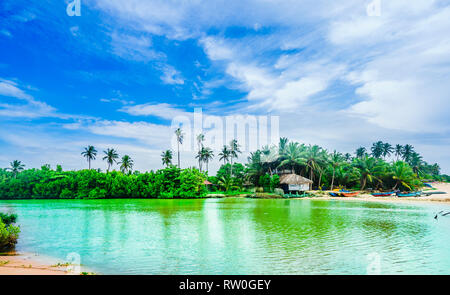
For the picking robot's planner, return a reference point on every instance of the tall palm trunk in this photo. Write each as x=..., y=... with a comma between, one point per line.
x=89, y=163
x=178, y=144
x=332, y=179
x=231, y=168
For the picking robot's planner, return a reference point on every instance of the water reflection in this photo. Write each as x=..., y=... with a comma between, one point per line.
x=236, y=236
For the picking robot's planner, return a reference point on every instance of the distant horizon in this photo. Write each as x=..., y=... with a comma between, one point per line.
x=339, y=75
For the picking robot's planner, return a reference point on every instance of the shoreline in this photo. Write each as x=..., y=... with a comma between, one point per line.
x=29, y=264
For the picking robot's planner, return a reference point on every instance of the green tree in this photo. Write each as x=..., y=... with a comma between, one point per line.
x=361, y=152
x=224, y=154
x=403, y=175
x=180, y=136
x=16, y=167
x=166, y=157
x=387, y=150
x=368, y=168
x=234, y=151
x=126, y=165
x=377, y=149
x=292, y=156
x=111, y=157
x=89, y=153
x=335, y=161
x=398, y=151
x=408, y=150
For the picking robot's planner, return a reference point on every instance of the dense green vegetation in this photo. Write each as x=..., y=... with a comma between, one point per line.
x=53, y=184
x=406, y=170
x=8, y=232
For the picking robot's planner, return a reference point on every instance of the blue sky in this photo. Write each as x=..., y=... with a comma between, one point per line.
x=116, y=75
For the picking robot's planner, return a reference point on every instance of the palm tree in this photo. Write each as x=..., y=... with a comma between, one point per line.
x=234, y=151
x=403, y=174
x=313, y=156
x=111, y=157
x=224, y=154
x=16, y=167
x=361, y=152
x=89, y=153
x=377, y=149
x=200, y=139
x=387, y=150
x=282, y=145
x=180, y=136
x=398, y=151
x=347, y=157
x=126, y=165
x=368, y=170
x=292, y=156
x=416, y=162
x=408, y=150
x=166, y=157
x=207, y=155
x=335, y=161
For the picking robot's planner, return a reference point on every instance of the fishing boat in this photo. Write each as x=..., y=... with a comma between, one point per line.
x=333, y=194
x=408, y=194
x=353, y=194
x=383, y=194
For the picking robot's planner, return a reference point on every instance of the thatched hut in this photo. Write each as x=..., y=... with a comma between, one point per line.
x=295, y=183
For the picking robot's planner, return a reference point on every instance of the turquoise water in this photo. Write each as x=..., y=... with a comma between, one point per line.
x=237, y=236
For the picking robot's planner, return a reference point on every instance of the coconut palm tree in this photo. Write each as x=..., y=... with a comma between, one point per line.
x=224, y=154
x=89, y=153
x=377, y=149
x=387, y=150
x=200, y=140
x=368, y=169
x=292, y=156
x=402, y=174
x=347, y=157
x=16, y=167
x=416, y=162
x=361, y=152
x=282, y=145
x=207, y=155
x=126, y=165
x=335, y=161
x=111, y=157
x=408, y=150
x=398, y=151
x=166, y=157
x=313, y=157
x=180, y=137
x=234, y=151
x=199, y=156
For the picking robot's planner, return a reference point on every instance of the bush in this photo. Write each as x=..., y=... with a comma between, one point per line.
x=7, y=219
x=8, y=232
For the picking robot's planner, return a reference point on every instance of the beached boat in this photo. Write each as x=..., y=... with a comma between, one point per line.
x=385, y=194
x=353, y=194
x=409, y=194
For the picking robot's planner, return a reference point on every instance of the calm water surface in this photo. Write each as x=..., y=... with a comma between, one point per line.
x=237, y=236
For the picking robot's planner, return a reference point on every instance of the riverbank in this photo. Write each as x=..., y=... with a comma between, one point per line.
x=439, y=186
x=29, y=264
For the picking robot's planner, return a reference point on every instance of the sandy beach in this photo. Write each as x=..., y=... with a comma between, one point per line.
x=439, y=186
x=29, y=264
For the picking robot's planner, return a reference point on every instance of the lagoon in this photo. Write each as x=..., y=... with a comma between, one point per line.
x=237, y=235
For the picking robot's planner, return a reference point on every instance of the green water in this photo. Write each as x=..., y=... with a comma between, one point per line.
x=237, y=236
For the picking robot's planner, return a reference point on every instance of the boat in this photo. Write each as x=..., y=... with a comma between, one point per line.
x=353, y=194
x=409, y=194
x=334, y=194
x=383, y=194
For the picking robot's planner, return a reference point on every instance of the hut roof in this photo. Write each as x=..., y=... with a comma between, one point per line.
x=206, y=182
x=294, y=179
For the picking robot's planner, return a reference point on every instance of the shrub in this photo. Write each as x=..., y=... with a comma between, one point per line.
x=7, y=219
x=279, y=191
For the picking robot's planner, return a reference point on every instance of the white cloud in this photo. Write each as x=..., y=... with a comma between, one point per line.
x=171, y=75
x=161, y=110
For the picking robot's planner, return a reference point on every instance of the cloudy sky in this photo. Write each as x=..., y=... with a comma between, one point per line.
x=335, y=72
